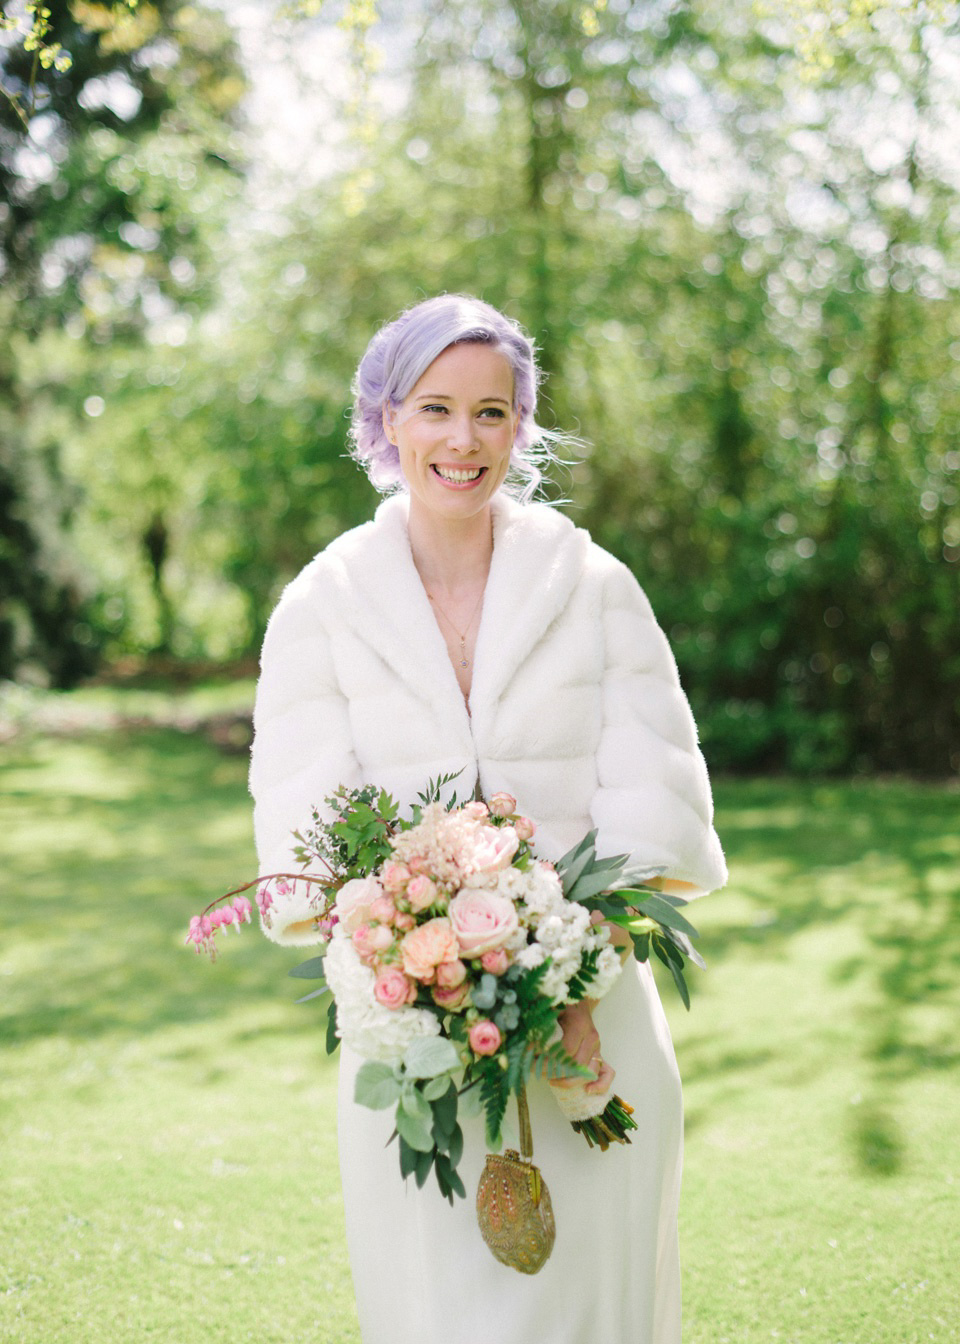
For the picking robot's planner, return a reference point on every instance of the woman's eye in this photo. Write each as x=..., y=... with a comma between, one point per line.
x=493, y=412
x=434, y=408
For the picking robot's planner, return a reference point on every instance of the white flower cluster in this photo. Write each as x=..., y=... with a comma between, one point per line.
x=373, y=1031
x=562, y=931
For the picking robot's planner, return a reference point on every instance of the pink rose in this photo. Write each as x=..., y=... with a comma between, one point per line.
x=503, y=804
x=421, y=893
x=405, y=920
x=354, y=901
x=383, y=910
x=393, y=989
x=393, y=876
x=452, y=998
x=495, y=962
x=362, y=940
x=380, y=937
x=479, y=811
x=451, y=973
x=427, y=947
x=524, y=828
x=492, y=849
x=482, y=921
x=484, y=1037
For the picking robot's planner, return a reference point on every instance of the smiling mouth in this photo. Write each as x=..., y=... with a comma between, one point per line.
x=458, y=475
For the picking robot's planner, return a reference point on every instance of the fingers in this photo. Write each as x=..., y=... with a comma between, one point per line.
x=604, y=1080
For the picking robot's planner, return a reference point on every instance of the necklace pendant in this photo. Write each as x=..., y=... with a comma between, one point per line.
x=464, y=663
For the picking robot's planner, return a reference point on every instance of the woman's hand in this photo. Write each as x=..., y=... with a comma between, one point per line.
x=582, y=1042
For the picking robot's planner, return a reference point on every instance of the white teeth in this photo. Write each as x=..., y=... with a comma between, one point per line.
x=458, y=477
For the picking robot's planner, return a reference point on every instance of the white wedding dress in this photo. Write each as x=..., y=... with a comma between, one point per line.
x=421, y=1270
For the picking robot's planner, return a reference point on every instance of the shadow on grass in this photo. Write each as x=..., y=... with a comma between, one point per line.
x=886, y=857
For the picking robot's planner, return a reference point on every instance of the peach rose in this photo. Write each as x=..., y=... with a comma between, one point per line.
x=524, y=828
x=383, y=910
x=381, y=936
x=495, y=962
x=354, y=901
x=393, y=876
x=362, y=940
x=482, y=921
x=427, y=947
x=404, y=920
x=451, y=973
x=393, y=989
x=484, y=1037
x=479, y=811
x=421, y=893
x=503, y=804
x=451, y=999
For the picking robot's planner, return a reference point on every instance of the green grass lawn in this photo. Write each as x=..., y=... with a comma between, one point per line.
x=168, y=1166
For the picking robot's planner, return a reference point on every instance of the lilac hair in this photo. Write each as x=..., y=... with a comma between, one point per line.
x=401, y=352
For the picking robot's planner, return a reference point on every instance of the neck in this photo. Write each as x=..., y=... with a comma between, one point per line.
x=451, y=554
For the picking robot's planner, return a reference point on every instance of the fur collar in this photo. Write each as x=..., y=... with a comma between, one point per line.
x=538, y=558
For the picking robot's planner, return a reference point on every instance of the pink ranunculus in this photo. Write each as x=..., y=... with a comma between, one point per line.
x=421, y=893
x=354, y=901
x=495, y=962
x=394, y=875
x=524, y=828
x=451, y=973
x=362, y=940
x=491, y=850
x=484, y=1037
x=427, y=947
x=482, y=921
x=394, y=989
x=503, y=804
x=383, y=910
x=451, y=999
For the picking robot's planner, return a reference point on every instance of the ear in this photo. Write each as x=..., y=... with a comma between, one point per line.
x=388, y=428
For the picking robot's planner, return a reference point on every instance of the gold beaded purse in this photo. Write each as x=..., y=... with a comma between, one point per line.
x=513, y=1203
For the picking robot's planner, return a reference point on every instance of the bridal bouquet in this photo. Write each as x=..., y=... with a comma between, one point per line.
x=450, y=951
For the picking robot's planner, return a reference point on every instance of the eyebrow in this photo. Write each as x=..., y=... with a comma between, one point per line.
x=442, y=396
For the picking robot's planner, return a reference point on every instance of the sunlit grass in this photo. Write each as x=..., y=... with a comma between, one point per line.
x=169, y=1166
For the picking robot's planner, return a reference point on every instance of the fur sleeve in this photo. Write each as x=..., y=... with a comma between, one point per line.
x=302, y=748
x=653, y=797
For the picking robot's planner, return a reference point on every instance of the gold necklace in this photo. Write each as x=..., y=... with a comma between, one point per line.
x=464, y=662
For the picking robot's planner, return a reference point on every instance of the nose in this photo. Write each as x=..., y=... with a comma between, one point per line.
x=461, y=436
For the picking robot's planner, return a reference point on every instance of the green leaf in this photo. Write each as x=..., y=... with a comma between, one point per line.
x=555, y=1062
x=657, y=908
x=435, y=1088
x=308, y=970
x=376, y=1086
x=415, y=1104
x=641, y=946
x=428, y=1056
x=445, y=1112
x=424, y=1163
x=414, y=1132
x=333, y=1040
x=408, y=1158
x=448, y=1179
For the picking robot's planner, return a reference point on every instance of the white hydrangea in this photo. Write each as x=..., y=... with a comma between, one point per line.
x=373, y=1031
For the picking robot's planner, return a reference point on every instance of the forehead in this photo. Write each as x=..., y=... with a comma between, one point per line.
x=468, y=370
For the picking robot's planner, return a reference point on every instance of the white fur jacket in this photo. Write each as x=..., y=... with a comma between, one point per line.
x=575, y=705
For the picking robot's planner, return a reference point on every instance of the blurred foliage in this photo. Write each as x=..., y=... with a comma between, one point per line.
x=744, y=286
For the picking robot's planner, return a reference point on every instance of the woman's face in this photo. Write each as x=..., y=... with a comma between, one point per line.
x=455, y=431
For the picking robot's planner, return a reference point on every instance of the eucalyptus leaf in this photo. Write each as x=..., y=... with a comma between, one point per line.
x=434, y=1088
x=428, y=1056
x=314, y=994
x=414, y=1132
x=308, y=970
x=376, y=1086
x=415, y=1105
x=657, y=908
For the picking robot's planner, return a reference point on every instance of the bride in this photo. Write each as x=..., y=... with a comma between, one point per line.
x=467, y=630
